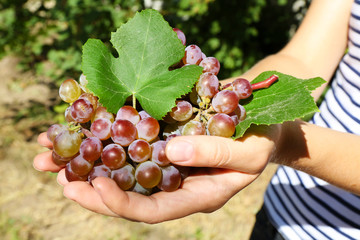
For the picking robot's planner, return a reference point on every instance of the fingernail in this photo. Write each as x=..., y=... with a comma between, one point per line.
x=179, y=151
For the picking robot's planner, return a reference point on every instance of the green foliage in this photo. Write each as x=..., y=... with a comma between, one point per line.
x=286, y=100
x=48, y=34
x=147, y=47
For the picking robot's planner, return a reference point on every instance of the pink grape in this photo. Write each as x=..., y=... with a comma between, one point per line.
x=210, y=64
x=69, y=90
x=171, y=179
x=128, y=113
x=81, y=166
x=158, y=153
x=221, y=125
x=140, y=189
x=124, y=176
x=71, y=176
x=193, y=55
x=208, y=85
x=242, y=88
x=148, y=174
x=225, y=101
x=91, y=148
x=100, y=170
x=139, y=150
x=182, y=112
x=67, y=143
x=101, y=112
x=193, y=128
x=238, y=115
x=68, y=116
x=59, y=160
x=101, y=128
x=148, y=129
x=81, y=111
x=180, y=35
x=54, y=130
x=90, y=98
x=113, y=156
x=143, y=114
x=123, y=132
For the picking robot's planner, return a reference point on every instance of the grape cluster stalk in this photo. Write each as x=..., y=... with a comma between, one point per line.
x=129, y=146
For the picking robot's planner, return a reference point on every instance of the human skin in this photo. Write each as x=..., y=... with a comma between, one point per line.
x=231, y=165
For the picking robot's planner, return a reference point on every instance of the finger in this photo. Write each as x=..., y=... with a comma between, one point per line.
x=44, y=141
x=86, y=196
x=43, y=162
x=197, y=194
x=61, y=178
x=248, y=154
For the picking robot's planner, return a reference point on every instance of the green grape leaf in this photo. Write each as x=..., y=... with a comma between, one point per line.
x=286, y=100
x=147, y=47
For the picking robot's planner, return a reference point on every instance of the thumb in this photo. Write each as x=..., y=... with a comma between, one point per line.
x=249, y=154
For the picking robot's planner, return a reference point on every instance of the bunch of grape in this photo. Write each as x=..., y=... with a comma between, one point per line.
x=129, y=146
x=210, y=109
x=124, y=147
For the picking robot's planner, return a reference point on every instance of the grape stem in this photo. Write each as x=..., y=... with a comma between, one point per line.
x=266, y=83
x=134, y=101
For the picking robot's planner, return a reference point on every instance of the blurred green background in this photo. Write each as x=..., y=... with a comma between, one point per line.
x=40, y=46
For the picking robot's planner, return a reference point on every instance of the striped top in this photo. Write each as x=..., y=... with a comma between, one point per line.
x=304, y=207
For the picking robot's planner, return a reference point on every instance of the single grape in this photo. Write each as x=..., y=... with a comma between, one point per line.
x=113, y=156
x=69, y=90
x=225, y=101
x=83, y=83
x=101, y=112
x=171, y=179
x=148, y=174
x=158, y=153
x=180, y=35
x=171, y=136
x=90, y=98
x=101, y=128
x=71, y=176
x=140, y=189
x=81, y=166
x=100, y=170
x=124, y=177
x=143, y=114
x=81, y=111
x=59, y=160
x=242, y=88
x=210, y=64
x=182, y=112
x=123, y=132
x=193, y=128
x=68, y=117
x=148, y=129
x=208, y=85
x=91, y=148
x=54, y=130
x=128, y=113
x=238, y=115
x=221, y=125
x=193, y=55
x=168, y=119
x=139, y=150
x=67, y=143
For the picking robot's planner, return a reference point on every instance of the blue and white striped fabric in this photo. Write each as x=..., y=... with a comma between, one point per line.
x=304, y=207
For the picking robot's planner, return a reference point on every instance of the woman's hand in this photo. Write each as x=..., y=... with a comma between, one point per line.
x=227, y=166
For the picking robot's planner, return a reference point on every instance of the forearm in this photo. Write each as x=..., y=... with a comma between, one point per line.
x=324, y=153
